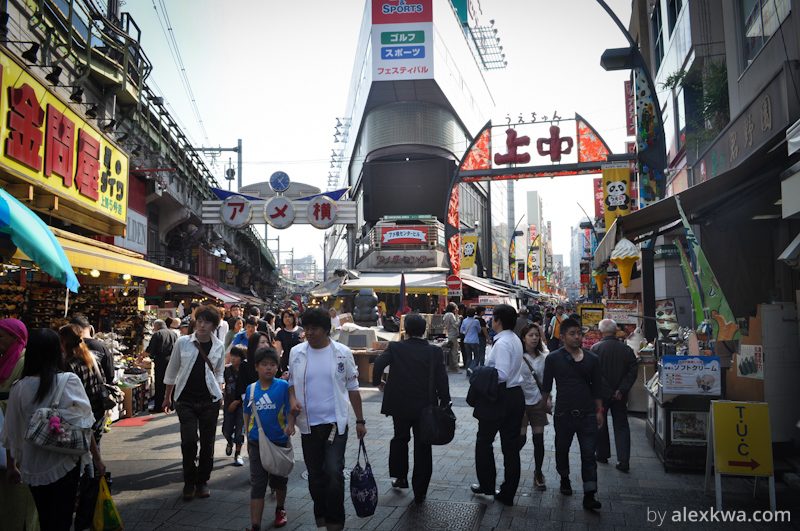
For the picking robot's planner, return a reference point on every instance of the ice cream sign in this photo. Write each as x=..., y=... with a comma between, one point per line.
x=402, y=32
x=412, y=235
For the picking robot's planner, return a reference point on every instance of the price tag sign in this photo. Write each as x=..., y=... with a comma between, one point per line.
x=235, y=211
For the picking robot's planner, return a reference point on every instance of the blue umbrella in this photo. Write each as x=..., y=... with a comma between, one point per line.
x=31, y=236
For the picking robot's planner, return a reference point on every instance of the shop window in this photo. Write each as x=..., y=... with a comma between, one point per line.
x=760, y=20
x=680, y=116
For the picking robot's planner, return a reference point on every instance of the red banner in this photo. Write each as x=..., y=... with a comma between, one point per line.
x=630, y=109
x=599, y=207
x=405, y=235
x=401, y=11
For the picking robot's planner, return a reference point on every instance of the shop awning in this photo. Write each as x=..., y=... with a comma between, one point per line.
x=214, y=290
x=483, y=285
x=329, y=288
x=34, y=240
x=433, y=283
x=85, y=253
x=697, y=202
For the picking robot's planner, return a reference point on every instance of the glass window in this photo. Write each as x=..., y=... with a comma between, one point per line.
x=760, y=20
x=673, y=10
x=680, y=111
x=656, y=24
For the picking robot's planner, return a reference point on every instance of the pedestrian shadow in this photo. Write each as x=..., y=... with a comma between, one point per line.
x=151, y=479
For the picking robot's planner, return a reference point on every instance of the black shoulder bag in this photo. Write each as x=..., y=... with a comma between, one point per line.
x=437, y=423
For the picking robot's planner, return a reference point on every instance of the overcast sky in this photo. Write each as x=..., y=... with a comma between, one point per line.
x=277, y=75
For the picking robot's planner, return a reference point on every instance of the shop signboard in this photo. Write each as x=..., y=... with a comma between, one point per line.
x=690, y=375
x=623, y=311
x=135, y=233
x=591, y=314
x=402, y=39
x=741, y=444
x=404, y=235
x=47, y=145
x=403, y=260
x=750, y=362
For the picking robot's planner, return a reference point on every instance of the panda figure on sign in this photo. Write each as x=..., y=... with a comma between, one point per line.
x=617, y=195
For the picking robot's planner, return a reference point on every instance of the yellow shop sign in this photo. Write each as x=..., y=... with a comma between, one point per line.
x=45, y=144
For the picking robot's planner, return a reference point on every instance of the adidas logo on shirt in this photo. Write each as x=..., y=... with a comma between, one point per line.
x=264, y=403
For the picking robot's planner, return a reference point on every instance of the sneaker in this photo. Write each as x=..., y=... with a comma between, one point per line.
x=566, y=487
x=280, y=518
x=238, y=461
x=229, y=448
x=589, y=503
x=203, y=491
x=538, y=481
x=188, y=492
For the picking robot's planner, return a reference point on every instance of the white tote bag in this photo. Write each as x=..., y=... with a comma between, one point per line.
x=275, y=459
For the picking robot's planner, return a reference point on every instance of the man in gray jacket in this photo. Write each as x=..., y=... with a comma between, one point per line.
x=618, y=365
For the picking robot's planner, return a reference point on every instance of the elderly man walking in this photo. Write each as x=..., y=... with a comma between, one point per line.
x=452, y=327
x=618, y=365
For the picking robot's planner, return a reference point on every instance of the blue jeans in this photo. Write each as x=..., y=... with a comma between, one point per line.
x=470, y=353
x=585, y=427
x=325, y=464
x=622, y=432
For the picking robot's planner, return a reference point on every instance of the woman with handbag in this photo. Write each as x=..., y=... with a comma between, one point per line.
x=417, y=379
x=48, y=447
x=536, y=409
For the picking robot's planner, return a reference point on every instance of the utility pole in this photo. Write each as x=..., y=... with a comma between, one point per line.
x=218, y=151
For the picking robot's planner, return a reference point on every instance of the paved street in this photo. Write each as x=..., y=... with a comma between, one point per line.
x=145, y=463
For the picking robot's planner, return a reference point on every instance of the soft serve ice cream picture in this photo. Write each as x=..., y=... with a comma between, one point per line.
x=625, y=254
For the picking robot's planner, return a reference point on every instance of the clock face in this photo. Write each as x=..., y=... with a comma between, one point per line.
x=279, y=181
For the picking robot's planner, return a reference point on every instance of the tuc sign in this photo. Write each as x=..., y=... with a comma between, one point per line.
x=44, y=143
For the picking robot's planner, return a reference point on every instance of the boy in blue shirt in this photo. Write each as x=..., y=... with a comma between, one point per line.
x=269, y=398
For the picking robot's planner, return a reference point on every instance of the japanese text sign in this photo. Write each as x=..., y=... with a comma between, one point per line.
x=279, y=212
x=742, y=442
x=321, y=212
x=48, y=145
x=236, y=211
x=402, y=34
x=408, y=235
x=690, y=375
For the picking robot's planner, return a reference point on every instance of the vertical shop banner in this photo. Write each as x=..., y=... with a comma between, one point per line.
x=402, y=39
x=599, y=207
x=512, y=257
x=630, y=109
x=469, y=249
x=616, y=191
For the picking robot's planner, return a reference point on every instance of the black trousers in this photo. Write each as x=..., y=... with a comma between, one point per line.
x=56, y=501
x=198, y=424
x=160, y=391
x=585, y=428
x=511, y=405
x=398, y=456
x=325, y=465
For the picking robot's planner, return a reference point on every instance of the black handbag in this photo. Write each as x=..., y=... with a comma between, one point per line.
x=437, y=424
x=363, y=488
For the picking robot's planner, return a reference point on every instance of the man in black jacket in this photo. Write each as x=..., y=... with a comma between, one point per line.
x=160, y=349
x=407, y=392
x=618, y=365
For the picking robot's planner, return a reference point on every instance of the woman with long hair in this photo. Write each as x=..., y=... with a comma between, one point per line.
x=289, y=336
x=51, y=476
x=536, y=409
x=83, y=363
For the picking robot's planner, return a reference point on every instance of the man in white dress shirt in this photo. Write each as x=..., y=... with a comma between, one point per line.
x=506, y=357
